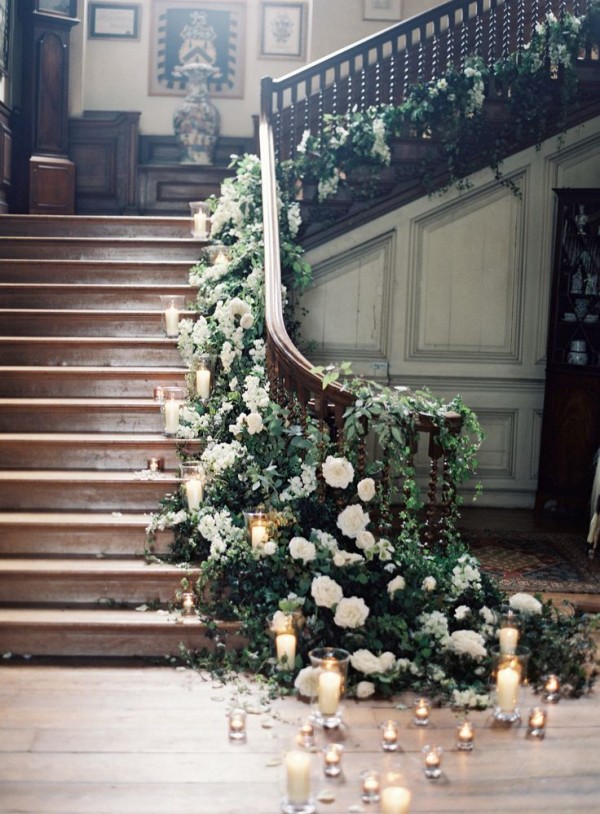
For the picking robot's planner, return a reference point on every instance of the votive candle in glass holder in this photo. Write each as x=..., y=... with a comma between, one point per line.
x=508, y=633
x=306, y=735
x=155, y=464
x=218, y=254
x=390, y=736
x=297, y=798
x=395, y=800
x=172, y=305
x=188, y=603
x=173, y=399
x=194, y=481
x=204, y=374
x=257, y=529
x=509, y=671
x=200, y=212
x=330, y=665
x=158, y=394
x=536, y=723
x=285, y=645
x=332, y=759
x=421, y=713
x=370, y=786
x=237, y=724
x=551, y=689
x=465, y=736
x=432, y=761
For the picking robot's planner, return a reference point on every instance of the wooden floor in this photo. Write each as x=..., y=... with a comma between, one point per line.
x=153, y=740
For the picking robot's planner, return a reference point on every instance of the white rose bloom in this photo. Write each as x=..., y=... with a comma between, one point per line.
x=429, y=584
x=366, y=489
x=387, y=661
x=254, y=423
x=352, y=520
x=365, y=662
x=364, y=689
x=467, y=642
x=351, y=612
x=269, y=548
x=487, y=615
x=338, y=472
x=301, y=549
x=525, y=603
x=247, y=321
x=365, y=540
x=281, y=622
x=461, y=612
x=343, y=558
x=326, y=592
x=396, y=584
x=305, y=682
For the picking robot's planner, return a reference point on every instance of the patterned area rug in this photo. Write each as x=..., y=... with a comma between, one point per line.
x=536, y=561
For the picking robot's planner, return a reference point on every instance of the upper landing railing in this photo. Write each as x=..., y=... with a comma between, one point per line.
x=380, y=69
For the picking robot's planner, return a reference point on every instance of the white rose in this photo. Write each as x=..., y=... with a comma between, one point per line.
x=301, y=549
x=365, y=662
x=467, y=642
x=364, y=689
x=269, y=548
x=366, y=489
x=429, y=584
x=487, y=615
x=461, y=612
x=338, y=472
x=387, y=661
x=351, y=612
x=525, y=602
x=246, y=321
x=306, y=682
x=396, y=584
x=281, y=622
x=365, y=540
x=343, y=558
x=326, y=592
x=352, y=520
x=254, y=423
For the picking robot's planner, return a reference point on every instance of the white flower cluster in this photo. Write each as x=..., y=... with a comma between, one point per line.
x=300, y=485
x=467, y=642
x=255, y=396
x=253, y=423
x=469, y=699
x=219, y=457
x=525, y=603
x=302, y=549
x=368, y=663
x=160, y=522
x=220, y=530
x=435, y=624
x=466, y=575
x=380, y=147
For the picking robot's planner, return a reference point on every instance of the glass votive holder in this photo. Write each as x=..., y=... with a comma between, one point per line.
x=237, y=724
x=509, y=671
x=330, y=667
x=200, y=212
x=332, y=759
x=536, y=723
x=218, y=254
x=390, y=736
x=551, y=689
x=297, y=798
x=465, y=736
x=188, y=603
x=172, y=305
x=395, y=799
x=193, y=482
x=509, y=632
x=158, y=394
x=173, y=399
x=432, y=761
x=257, y=528
x=370, y=786
x=422, y=710
x=155, y=464
x=204, y=374
x=306, y=735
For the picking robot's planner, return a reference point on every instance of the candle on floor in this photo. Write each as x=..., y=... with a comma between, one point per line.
x=297, y=769
x=507, y=689
x=390, y=735
x=188, y=603
x=332, y=759
x=370, y=786
x=285, y=644
x=155, y=464
x=421, y=714
x=171, y=416
x=551, y=692
x=329, y=692
x=395, y=800
x=306, y=735
x=536, y=724
x=237, y=725
x=432, y=761
x=465, y=737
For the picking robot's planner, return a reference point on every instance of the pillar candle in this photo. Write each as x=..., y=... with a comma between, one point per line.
x=172, y=320
x=200, y=223
x=507, y=687
x=258, y=535
x=509, y=636
x=171, y=416
x=329, y=691
x=395, y=800
x=297, y=768
x=286, y=649
x=203, y=383
x=194, y=492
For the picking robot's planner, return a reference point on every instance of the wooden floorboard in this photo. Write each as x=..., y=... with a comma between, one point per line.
x=150, y=740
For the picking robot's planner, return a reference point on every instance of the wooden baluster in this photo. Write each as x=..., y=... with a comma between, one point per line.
x=385, y=518
x=562, y=9
x=520, y=26
x=479, y=35
x=450, y=45
x=435, y=56
x=349, y=97
x=492, y=29
x=464, y=37
x=421, y=60
x=448, y=509
x=392, y=78
x=506, y=31
x=292, y=130
x=378, y=82
x=307, y=92
x=363, y=90
x=535, y=13
x=406, y=77
x=435, y=453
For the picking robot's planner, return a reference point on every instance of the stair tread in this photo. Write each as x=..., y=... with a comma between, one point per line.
x=89, y=475
x=92, y=520
x=95, y=369
x=87, y=312
x=158, y=287
x=92, y=618
x=89, y=437
x=90, y=340
x=113, y=403
x=82, y=565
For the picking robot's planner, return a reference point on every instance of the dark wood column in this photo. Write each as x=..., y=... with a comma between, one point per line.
x=46, y=174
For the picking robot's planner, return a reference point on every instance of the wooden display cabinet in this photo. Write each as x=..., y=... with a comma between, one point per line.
x=571, y=421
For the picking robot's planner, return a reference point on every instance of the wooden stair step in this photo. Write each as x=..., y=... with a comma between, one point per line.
x=89, y=581
x=102, y=382
x=69, y=534
x=80, y=415
x=81, y=490
x=83, y=632
x=90, y=297
x=101, y=248
x=88, y=450
x=83, y=322
x=88, y=350
x=94, y=226
x=94, y=272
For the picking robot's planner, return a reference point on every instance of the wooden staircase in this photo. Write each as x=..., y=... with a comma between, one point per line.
x=81, y=349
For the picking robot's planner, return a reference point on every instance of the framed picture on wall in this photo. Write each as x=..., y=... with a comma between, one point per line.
x=4, y=35
x=185, y=31
x=63, y=8
x=383, y=10
x=283, y=30
x=114, y=21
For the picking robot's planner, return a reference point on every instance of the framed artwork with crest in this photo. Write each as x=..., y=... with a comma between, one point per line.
x=283, y=30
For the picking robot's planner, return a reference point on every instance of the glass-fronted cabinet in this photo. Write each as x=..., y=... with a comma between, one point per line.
x=571, y=421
